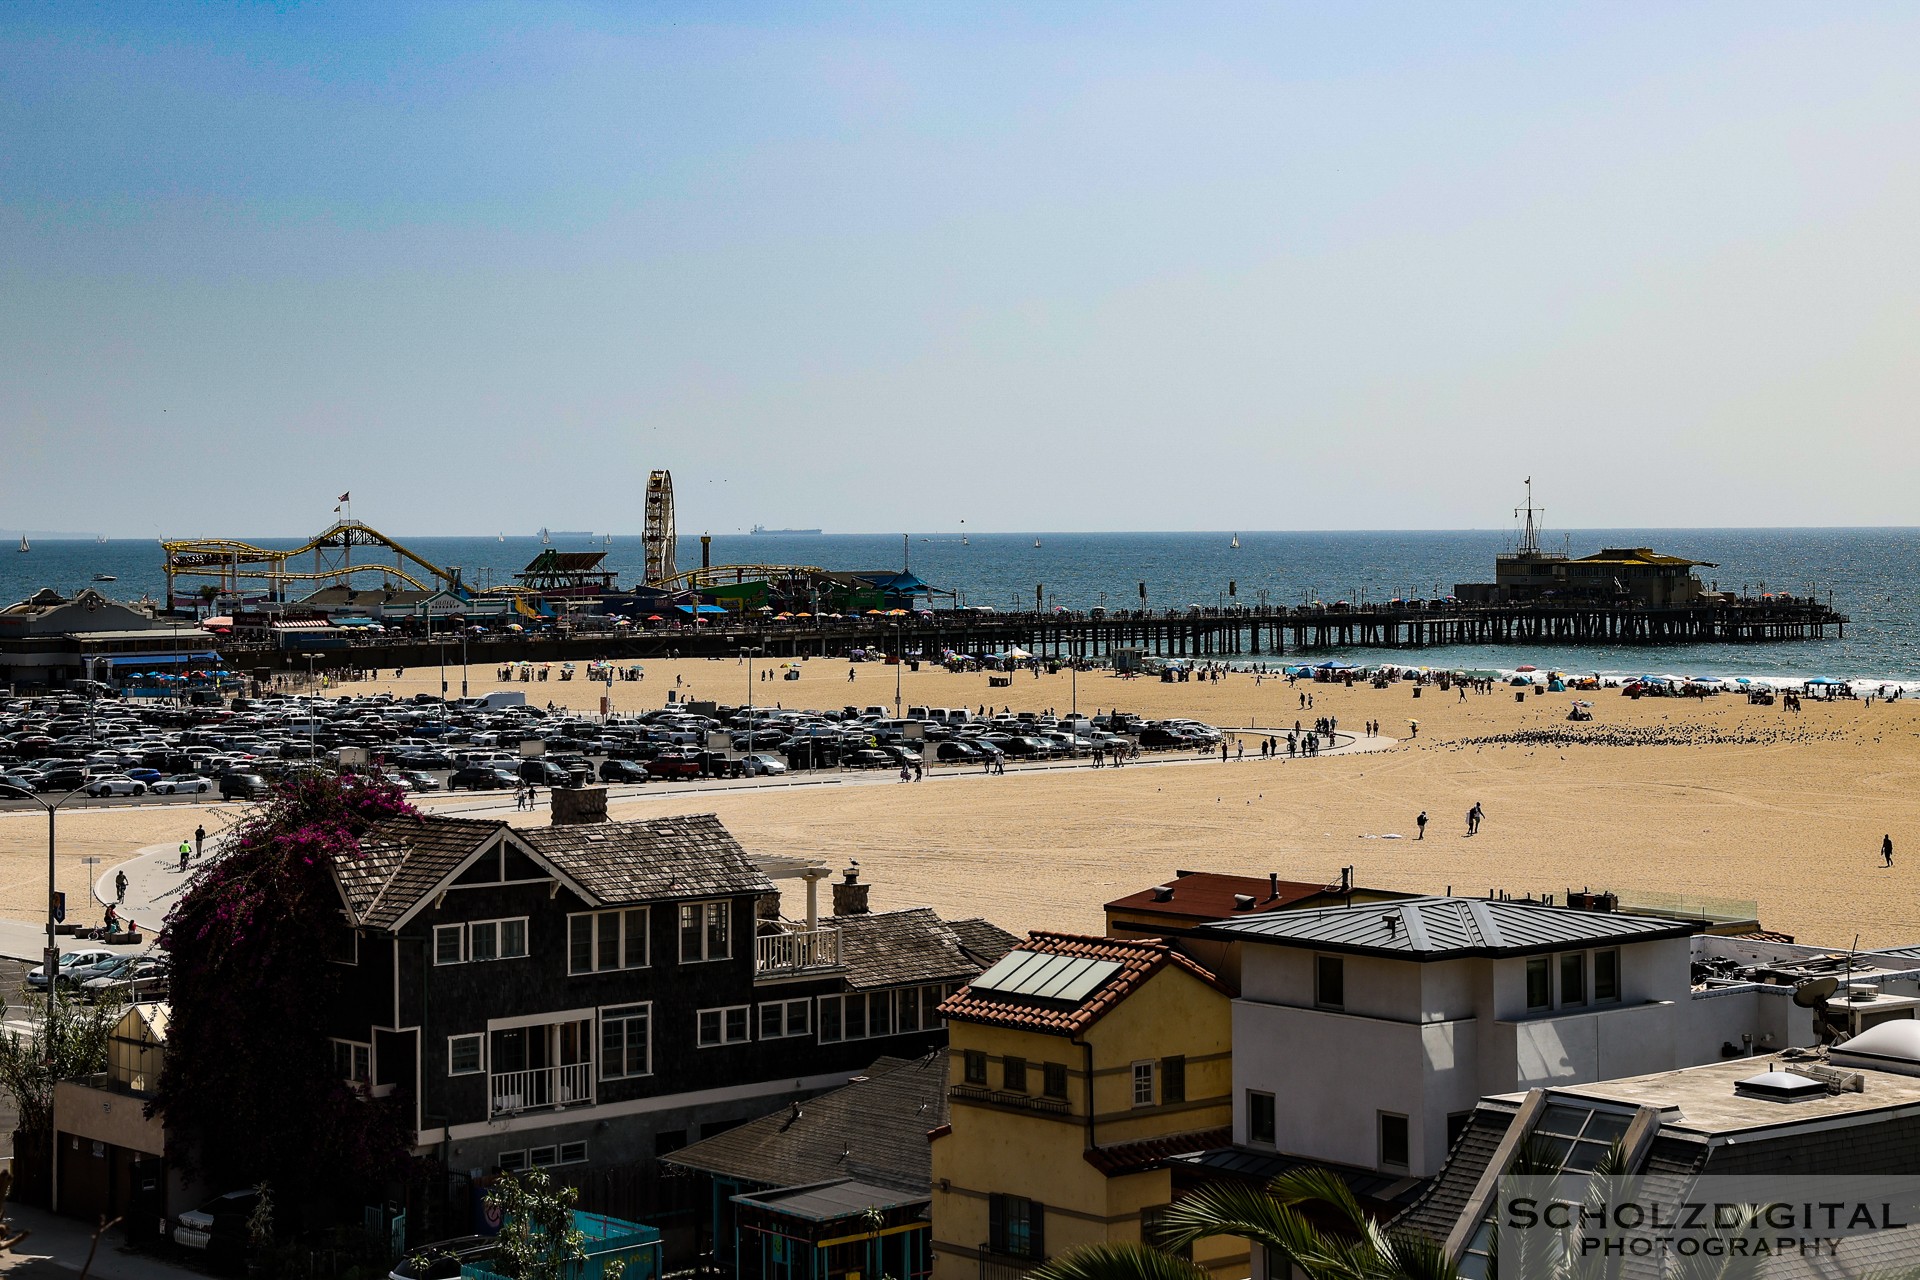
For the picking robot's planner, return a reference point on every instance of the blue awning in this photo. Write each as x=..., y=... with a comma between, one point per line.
x=705, y=608
x=160, y=659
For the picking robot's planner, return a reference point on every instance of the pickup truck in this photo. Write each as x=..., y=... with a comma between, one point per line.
x=667, y=765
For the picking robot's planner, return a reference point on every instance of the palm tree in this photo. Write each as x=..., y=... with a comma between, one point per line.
x=1285, y=1218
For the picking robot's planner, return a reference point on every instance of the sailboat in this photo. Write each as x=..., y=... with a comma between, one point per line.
x=545, y=540
x=1036, y=542
x=24, y=548
x=1235, y=544
x=963, y=539
x=501, y=536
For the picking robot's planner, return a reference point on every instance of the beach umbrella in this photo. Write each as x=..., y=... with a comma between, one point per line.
x=803, y=615
x=652, y=617
x=1741, y=680
x=1526, y=666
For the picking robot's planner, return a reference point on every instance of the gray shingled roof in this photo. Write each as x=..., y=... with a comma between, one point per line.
x=983, y=940
x=873, y=1130
x=894, y=948
x=690, y=856
x=1445, y=1198
x=431, y=847
x=1441, y=928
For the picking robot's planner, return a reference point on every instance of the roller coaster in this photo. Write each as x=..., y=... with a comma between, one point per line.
x=229, y=565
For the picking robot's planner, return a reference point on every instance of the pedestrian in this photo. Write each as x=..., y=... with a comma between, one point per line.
x=185, y=851
x=1474, y=815
x=1886, y=850
x=1413, y=727
x=199, y=841
x=906, y=775
x=119, y=886
x=1223, y=751
x=1421, y=823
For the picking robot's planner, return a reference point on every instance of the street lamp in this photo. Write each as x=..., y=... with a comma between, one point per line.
x=899, y=662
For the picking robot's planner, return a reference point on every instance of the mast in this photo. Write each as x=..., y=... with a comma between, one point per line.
x=1529, y=533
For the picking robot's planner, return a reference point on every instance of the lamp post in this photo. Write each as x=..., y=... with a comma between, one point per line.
x=899, y=664
x=51, y=960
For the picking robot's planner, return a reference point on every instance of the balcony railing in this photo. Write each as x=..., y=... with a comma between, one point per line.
x=1000, y=1266
x=796, y=950
x=541, y=1088
x=1006, y=1098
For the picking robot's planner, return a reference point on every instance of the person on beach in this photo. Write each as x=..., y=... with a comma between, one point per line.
x=119, y=886
x=1421, y=823
x=1413, y=728
x=1474, y=815
x=1886, y=850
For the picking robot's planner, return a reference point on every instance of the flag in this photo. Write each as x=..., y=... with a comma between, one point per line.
x=343, y=497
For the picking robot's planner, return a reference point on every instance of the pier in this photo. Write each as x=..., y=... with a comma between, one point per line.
x=1205, y=633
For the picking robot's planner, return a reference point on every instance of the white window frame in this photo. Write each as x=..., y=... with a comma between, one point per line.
x=1593, y=976
x=355, y=1049
x=551, y=1151
x=935, y=992
x=1144, y=1072
x=573, y=1153
x=519, y=1159
x=710, y=909
x=721, y=1011
x=464, y=932
x=597, y=924
x=623, y=1013
x=785, y=1011
x=481, y=1038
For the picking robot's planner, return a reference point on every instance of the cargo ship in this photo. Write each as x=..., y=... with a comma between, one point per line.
x=782, y=533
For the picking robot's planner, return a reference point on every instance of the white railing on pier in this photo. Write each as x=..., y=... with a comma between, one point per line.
x=541, y=1087
x=796, y=949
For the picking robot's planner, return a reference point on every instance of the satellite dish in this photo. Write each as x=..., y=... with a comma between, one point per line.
x=1814, y=992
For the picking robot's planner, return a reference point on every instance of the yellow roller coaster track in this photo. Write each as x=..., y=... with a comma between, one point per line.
x=726, y=574
x=230, y=562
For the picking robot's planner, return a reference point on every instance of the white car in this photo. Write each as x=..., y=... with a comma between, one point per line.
x=118, y=785
x=757, y=765
x=182, y=784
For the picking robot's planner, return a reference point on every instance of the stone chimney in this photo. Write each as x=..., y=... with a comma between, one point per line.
x=850, y=896
x=575, y=806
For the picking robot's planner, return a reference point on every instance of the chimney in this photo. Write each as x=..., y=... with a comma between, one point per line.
x=1163, y=893
x=1273, y=885
x=1242, y=902
x=850, y=896
x=577, y=806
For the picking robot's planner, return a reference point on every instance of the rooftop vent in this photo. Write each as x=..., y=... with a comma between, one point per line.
x=1890, y=1046
x=1163, y=893
x=1242, y=901
x=1780, y=1086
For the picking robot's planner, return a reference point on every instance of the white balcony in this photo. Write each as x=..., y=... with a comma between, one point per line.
x=540, y=1089
x=796, y=949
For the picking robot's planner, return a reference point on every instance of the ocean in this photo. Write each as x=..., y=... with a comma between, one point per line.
x=1871, y=574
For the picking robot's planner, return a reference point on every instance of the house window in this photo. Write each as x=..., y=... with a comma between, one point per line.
x=1173, y=1079
x=1539, y=983
x=353, y=1061
x=602, y=941
x=973, y=1065
x=722, y=1026
x=1013, y=1075
x=626, y=1041
x=704, y=931
x=543, y=1157
x=1260, y=1117
x=466, y=1055
x=1573, y=978
x=1606, y=976
x=345, y=946
x=573, y=1153
x=1393, y=1141
x=906, y=1007
x=1053, y=1080
x=511, y=1161
x=480, y=940
x=1143, y=1084
x=831, y=1031
x=782, y=1018
x=1330, y=982
x=1016, y=1227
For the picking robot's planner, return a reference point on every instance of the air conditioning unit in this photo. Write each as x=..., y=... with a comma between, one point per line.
x=1862, y=992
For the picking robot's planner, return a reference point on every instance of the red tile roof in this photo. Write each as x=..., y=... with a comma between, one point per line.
x=1208, y=895
x=1151, y=1153
x=1139, y=960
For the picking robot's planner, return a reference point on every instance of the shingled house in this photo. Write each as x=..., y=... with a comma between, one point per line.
x=589, y=997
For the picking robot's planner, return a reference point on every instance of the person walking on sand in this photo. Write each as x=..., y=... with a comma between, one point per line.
x=1421, y=823
x=1474, y=815
x=1886, y=850
x=1413, y=728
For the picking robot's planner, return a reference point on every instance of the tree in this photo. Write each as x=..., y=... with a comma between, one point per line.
x=250, y=1089
x=62, y=1043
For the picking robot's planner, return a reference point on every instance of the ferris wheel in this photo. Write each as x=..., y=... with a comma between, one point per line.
x=659, y=536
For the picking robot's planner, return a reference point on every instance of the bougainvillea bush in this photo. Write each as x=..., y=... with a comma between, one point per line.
x=250, y=1090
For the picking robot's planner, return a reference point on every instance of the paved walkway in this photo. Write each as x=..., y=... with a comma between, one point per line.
x=57, y=1247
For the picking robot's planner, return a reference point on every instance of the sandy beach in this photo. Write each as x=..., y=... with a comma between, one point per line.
x=1714, y=799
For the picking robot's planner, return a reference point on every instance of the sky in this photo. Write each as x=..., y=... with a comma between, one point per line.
x=900, y=267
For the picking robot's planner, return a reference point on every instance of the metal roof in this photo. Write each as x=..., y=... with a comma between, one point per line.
x=830, y=1201
x=1048, y=976
x=1439, y=928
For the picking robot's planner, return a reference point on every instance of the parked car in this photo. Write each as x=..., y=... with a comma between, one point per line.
x=869, y=758
x=37, y=976
x=135, y=978
x=182, y=784
x=242, y=786
x=623, y=771
x=542, y=772
x=959, y=749
x=482, y=778
x=760, y=766
x=421, y=781
x=218, y=1228
x=674, y=766
x=115, y=785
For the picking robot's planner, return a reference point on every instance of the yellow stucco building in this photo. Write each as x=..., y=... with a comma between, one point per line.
x=1079, y=1068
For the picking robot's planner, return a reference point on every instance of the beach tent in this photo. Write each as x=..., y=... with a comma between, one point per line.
x=1335, y=665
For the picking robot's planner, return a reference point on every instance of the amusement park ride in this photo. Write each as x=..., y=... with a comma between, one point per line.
x=225, y=567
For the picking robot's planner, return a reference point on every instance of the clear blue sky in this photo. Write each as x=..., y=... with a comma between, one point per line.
x=1041, y=266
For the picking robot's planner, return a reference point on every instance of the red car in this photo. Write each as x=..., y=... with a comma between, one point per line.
x=674, y=766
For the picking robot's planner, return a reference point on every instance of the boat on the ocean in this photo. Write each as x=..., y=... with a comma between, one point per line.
x=1036, y=542
x=24, y=548
x=1235, y=544
x=104, y=577
x=762, y=530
